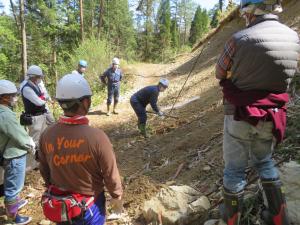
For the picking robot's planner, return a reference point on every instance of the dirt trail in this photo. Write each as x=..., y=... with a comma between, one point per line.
x=144, y=74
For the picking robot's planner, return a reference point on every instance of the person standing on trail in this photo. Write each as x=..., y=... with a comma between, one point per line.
x=77, y=159
x=254, y=70
x=82, y=65
x=35, y=98
x=112, y=78
x=142, y=98
x=15, y=144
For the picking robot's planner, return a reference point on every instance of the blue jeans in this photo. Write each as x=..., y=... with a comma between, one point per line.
x=113, y=91
x=244, y=143
x=95, y=215
x=139, y=110
x=14, y=177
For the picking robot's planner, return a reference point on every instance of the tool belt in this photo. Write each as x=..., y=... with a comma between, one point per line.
x=64, y=206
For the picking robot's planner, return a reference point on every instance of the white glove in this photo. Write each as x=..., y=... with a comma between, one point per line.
x=32, y=148
x=117, y=205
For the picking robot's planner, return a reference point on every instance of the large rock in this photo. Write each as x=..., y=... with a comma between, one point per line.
x=177, y=205
x=290, y=174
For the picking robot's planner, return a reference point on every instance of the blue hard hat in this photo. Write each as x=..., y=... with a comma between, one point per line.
x=249, y=2
x=82, y=63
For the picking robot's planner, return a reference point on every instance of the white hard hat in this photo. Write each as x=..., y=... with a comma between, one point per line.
x=71, y=87
x=34, y=71
x=164, y=82
x=7, y=87
x=116, y=61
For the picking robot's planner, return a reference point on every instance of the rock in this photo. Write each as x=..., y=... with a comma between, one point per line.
x=215, y=222
x=289, y=174
x=206, y=168
x=202, y=202
x=177, y=205
x=45, y=222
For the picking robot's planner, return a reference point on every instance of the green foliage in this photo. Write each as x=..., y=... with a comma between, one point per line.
x=199, y=25
x=9, y=50
x=163, y=37
x=174, y=35
x=95, y=52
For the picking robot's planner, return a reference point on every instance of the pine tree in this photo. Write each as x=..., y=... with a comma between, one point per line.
x=215, y=14
x=199, y=25
x=164, y=24
x=174, y=35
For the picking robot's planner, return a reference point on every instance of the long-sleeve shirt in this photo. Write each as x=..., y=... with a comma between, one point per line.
x=111, y=77
x=14, y=140
x=148, y=95
x=29, y=93
x=224, y=63
x=80, y=159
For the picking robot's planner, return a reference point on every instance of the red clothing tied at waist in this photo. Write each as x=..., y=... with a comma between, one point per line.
x=253, y=106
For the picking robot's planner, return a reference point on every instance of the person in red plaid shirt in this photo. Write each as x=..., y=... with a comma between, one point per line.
x=254, y=70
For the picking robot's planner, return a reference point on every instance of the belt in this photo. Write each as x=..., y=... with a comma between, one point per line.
x=38, y=113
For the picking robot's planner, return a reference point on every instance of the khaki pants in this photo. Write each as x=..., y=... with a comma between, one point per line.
x=243, y=143
x=39, y=124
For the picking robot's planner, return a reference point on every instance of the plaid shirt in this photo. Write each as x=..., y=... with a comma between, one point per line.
x=225, y=60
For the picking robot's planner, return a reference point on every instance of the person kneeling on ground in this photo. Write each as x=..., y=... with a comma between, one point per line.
x=142, y=98
x=15, y=143
x=76, y=158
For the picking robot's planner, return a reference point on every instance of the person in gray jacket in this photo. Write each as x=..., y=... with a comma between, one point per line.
x=255, y=70
x=15, y=143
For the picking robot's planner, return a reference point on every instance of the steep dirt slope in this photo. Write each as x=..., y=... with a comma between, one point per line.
x=191, y=142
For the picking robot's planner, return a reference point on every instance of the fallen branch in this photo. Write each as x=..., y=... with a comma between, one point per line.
x=178, y=171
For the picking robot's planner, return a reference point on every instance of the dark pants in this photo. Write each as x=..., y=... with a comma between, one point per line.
x=113, y=91
x=139, y=110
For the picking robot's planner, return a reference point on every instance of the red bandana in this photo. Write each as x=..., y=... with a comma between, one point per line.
x=76, y=120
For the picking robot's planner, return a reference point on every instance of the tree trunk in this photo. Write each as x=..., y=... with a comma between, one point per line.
x=24, y=44
x=54, y=59
x=100, y=21
x=81, y=20
x=185, y=24
x=13, y=9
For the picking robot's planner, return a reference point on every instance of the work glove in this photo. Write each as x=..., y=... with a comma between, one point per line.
x=32, y=147
x=160, y=113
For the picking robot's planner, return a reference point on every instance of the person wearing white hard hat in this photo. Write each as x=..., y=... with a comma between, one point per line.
x=82, y=65
x=112, y=78
x=35, y=98
x=78, y=159
x=255, y=69
x=145, y=96
x=15, y=144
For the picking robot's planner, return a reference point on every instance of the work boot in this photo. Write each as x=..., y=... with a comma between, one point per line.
x=115, y=107
x=108, y=110
x=276, y=214
x=231, y=208
x=143, y=131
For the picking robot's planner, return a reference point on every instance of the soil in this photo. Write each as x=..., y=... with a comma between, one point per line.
x=192, y=141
